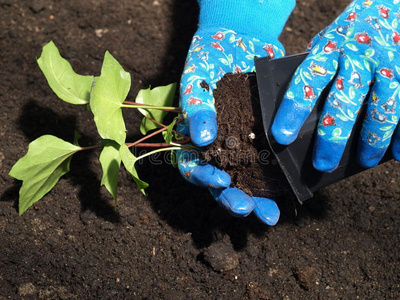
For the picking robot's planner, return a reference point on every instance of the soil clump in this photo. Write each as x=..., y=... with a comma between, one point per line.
x=241, y=148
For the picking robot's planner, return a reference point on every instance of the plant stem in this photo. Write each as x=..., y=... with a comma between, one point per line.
x=90, y=148
x=153, y=145
x=159, y=150
x=146, y=137
x=185, y=137
x=128, y=104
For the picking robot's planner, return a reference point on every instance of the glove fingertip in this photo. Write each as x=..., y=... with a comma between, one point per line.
x=266, y=210
x=288, y=121
x=234, y=200
x=369, y=156
x=203, y=127
x=210, y=176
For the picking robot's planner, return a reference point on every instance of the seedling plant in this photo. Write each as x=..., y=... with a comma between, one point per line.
x=48, y=157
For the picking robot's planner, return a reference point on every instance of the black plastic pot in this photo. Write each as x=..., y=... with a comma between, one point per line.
x=273, y=77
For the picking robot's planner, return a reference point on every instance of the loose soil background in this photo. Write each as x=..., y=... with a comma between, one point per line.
x=343, y=244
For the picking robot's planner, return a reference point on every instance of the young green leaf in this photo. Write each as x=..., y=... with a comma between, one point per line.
x=174, y=159
x=129, y=160
x=68, y=86
x=106, y=98
x=159, y=96
x=48, y=158
x=168, y=134
x=110, y=161
x=77, y=136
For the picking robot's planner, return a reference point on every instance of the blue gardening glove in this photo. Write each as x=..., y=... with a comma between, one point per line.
x=361, y=52
x=230, y=35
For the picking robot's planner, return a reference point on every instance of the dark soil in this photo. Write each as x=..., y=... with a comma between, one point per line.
x=176, y=243
x=241, y=148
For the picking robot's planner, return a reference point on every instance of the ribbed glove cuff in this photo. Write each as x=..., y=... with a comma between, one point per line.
x=262, y=19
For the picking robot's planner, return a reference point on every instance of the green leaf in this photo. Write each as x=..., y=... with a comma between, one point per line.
x=352, y=92
x=395, y=23
x=337, y=132
x=129, y=160
x=65, y=83
x=230, y=58
x=352, y=47
x=397, y=70
x=347, y=64
x=350, y=31
x=290, y=95
x=110, y=161
x=297, y=80
x=393, y=85
x=387, y=135
x=370, y=52
x=315, y=50
x=168, y=134
x=307, y=75
x=174, y=159
x=321, y=132
x=358, y=64
x=385, y=24
x=350, y=114
x=107, y=96
x=386, y=128
x=48, y=159
x=342, y=117
x=320, y=58
x=224, y=61
x=77, y=136
x=335, y=64
x=380, y=40
x=367, y=65
x=159, y=96
x=251, y=46
x=391, y=55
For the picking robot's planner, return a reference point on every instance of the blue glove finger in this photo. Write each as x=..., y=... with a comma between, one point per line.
x=266, y=210
x=201, y=174
x=310, y=78
x=340, y=113
x=382, y=117
x=235, y=201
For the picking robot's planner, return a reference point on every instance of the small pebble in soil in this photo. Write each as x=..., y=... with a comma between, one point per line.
x=87, y=217
x=305, y=277
x=221, y=256
x=26, y=289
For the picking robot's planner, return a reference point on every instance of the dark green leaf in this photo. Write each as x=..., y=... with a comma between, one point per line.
x=48, y=158
x=68, y=86
x=129, y=160
x=110, y=161
x=107, y=96
x=159, y=96
x=168, y=134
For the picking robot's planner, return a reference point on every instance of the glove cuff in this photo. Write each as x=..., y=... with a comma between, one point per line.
x=262, y=19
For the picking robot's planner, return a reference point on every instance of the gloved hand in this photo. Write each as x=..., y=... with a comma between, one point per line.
x=230, y=35
x=361, y=52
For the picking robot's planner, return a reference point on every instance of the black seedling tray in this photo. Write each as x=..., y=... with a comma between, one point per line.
x=273, y=77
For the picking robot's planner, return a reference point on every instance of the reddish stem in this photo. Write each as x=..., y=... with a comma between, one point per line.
x=147, y=137
x=177, y=122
